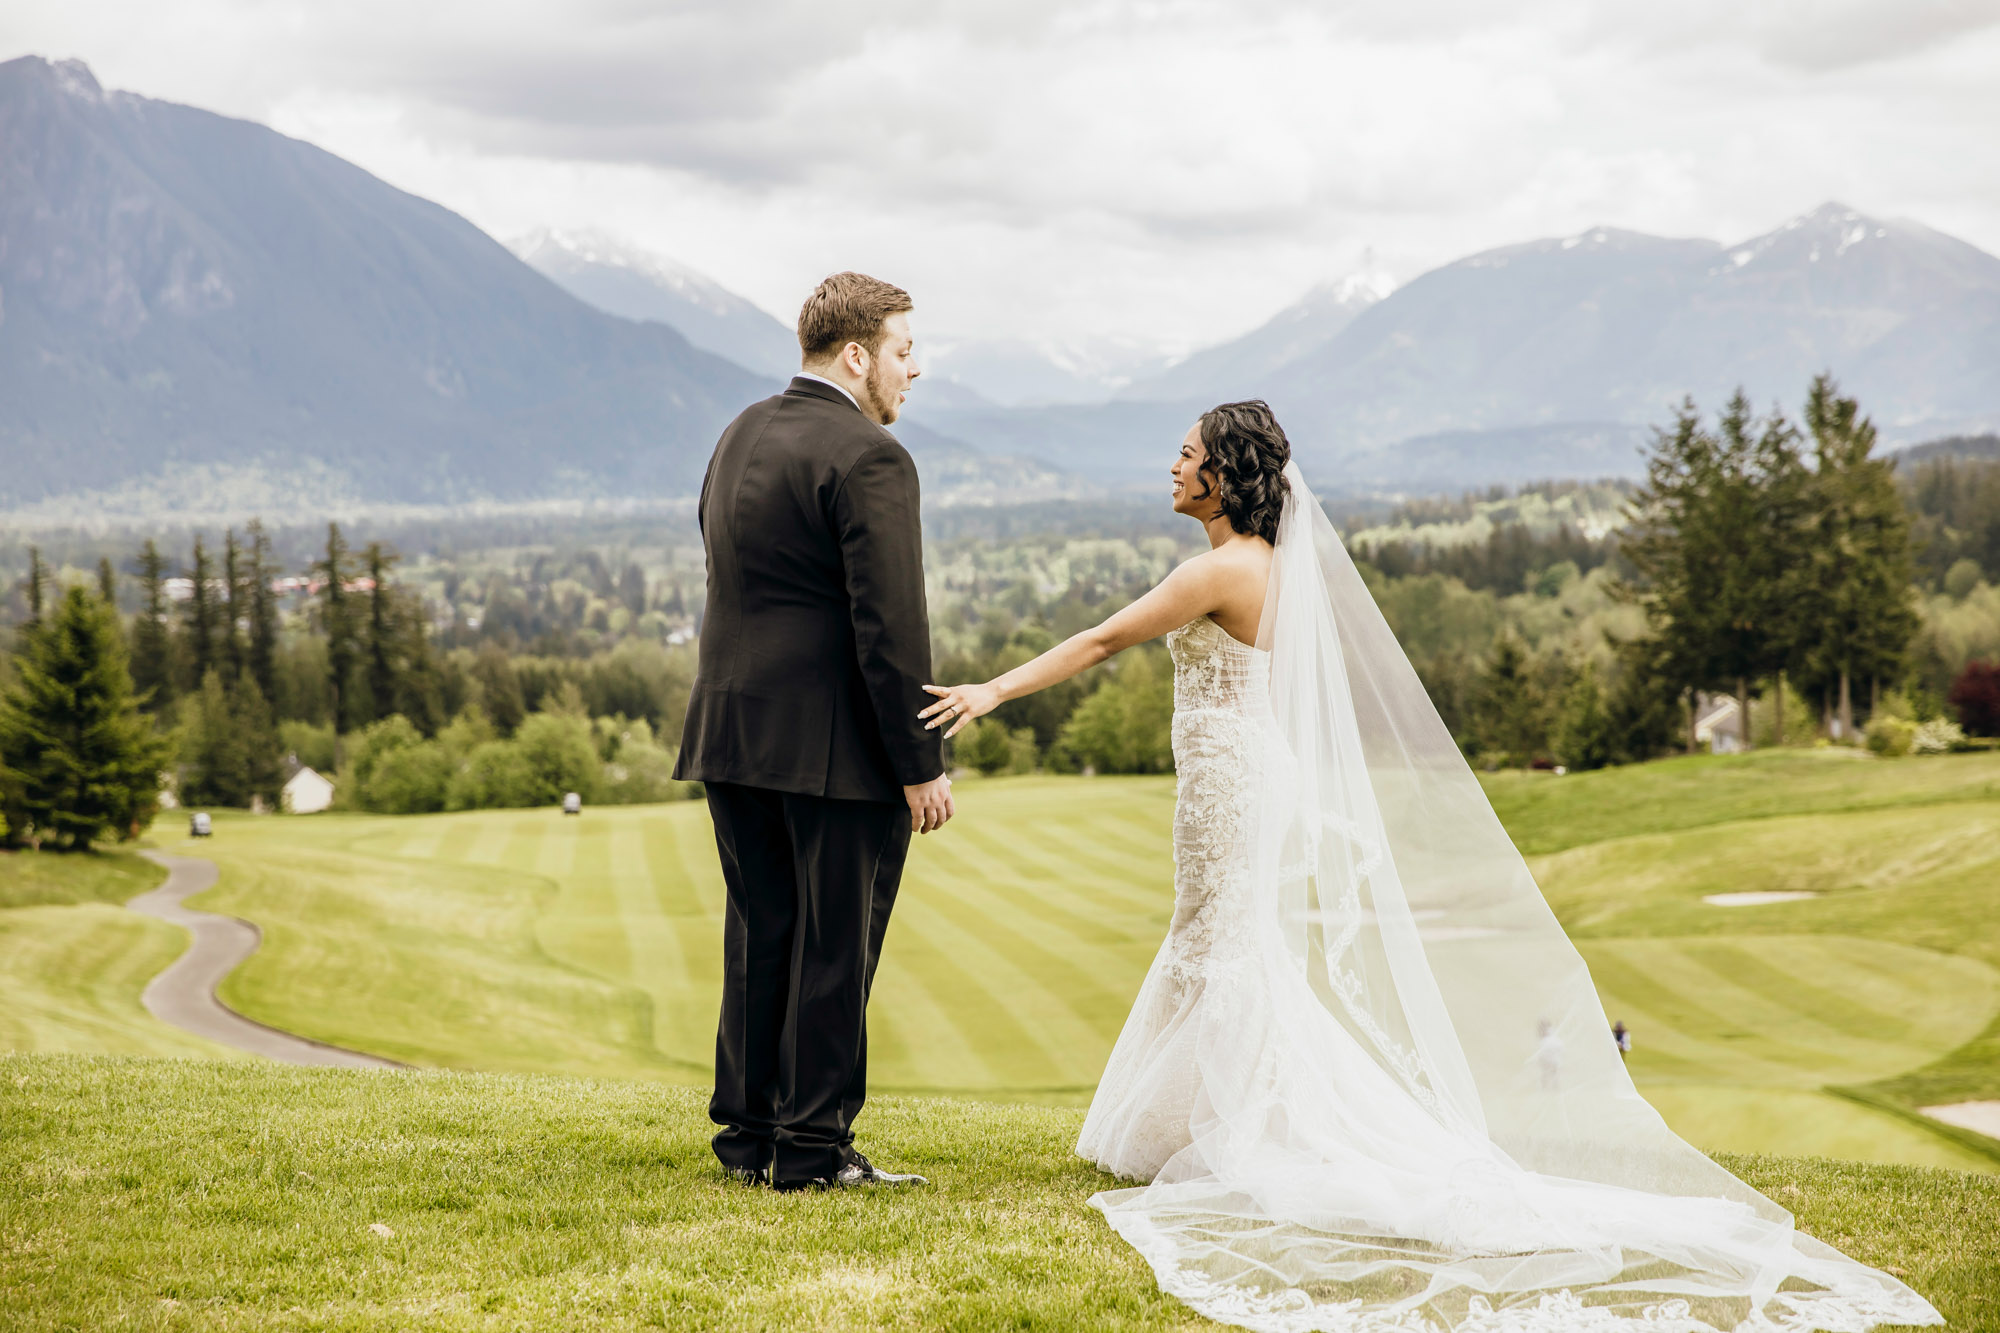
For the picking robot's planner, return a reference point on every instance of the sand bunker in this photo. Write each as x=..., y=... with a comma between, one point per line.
x=1979, y=1117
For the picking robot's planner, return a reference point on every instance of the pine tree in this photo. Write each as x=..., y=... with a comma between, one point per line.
x=1673, y=547
x=499, y=688
x=76, y=756
x=200, y=632
x=263, y=630
x=337, y=621
x=234, y=609
x=107, y=584
x=1780, y=558
x=38, y=579
x=1509, y=709
x=381, y=632
x=152, y=665
x=1859, y=589
x=214, y=756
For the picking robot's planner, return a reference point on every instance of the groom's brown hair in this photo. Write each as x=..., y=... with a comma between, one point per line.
x=848, y=308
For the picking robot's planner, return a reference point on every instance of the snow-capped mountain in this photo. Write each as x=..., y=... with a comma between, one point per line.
x=625, y=280
x=1242, y=366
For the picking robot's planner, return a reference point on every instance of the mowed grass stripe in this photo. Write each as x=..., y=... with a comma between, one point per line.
x=493, y=839
x=1067, y=981
x=680, y=845
x=1041, y=1020
x=1632, y=977
x=980, y=994
x=1139, y=890
x=555, y=856
x=456, y=839
x=1788, y=1033
x=1750, y=965
x=969, y=868
x=1050, y=862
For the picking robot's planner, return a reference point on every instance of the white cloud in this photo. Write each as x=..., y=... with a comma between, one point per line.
x=1171, y=170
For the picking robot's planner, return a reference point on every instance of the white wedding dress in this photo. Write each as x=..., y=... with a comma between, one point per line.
x=1366, y=1081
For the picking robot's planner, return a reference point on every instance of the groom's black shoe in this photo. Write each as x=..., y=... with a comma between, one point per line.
x=749, y=1175
x=871, y=1176
x=858, y=1172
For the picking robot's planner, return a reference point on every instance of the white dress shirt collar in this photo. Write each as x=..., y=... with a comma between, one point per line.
x=808, y=375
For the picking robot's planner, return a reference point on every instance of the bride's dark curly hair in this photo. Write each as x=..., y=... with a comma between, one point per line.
x=1245, y=467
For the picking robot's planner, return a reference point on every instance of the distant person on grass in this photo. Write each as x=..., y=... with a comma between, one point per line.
x=815, y=646
x=1363, y=1086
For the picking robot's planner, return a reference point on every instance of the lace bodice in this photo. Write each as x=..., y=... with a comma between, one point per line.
x=1223, y=751
x=1215, y=670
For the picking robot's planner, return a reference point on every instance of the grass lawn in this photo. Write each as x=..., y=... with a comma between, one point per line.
x=177, y=1194
x=525, y=941
x=73, y=962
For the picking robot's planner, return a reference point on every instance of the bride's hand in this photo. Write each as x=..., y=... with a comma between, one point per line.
x=958, y=705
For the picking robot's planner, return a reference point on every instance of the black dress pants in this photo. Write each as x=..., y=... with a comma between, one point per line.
x=811, y=882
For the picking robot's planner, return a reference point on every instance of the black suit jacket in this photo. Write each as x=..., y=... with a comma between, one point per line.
x=815, y=644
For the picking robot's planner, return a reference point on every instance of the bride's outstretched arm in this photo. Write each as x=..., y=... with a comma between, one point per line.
x=1193, y=589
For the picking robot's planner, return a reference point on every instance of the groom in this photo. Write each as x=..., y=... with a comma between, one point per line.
x=815, y=647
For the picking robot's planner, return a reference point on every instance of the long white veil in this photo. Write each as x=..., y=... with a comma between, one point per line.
x=1411, y=1113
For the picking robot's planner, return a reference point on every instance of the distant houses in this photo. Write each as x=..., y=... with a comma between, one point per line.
x=1718, y=724
x=181, y=588
x=306, y=793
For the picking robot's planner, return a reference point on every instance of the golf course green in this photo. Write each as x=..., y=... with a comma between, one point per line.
x=526, y=941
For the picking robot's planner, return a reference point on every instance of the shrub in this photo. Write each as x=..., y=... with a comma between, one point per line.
x=311, y=745
x=560, y=756
x=988, y=747
x=1961, y=579
x=496, y=775
x=637, y=771
x=1976, y=696
x=375, y=743
x=1936, y=737
x=410, y=780
x=1890, y=736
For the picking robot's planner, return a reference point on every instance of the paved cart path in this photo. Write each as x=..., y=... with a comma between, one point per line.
x=184, y=994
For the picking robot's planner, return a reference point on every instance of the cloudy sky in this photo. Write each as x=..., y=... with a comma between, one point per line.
x=1161, y=172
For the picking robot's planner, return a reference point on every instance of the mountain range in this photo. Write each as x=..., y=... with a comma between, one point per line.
x=192, y=301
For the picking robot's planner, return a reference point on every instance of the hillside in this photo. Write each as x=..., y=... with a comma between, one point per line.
x=633, y=284
x=190, y=294
x=168, y=1194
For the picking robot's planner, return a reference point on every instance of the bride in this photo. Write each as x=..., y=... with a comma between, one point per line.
x=1367, y=1084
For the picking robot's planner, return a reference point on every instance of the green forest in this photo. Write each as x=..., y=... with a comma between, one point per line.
x=1838, y=595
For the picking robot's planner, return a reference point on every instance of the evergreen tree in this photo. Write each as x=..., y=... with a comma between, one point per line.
x=337, y=622
x=1509, y=709
x=1673, y=548
x=1859, y=591
x=498, y=687
x=38, y=578
x=1584, y=737
x=200, y=631
x=632, y=590
x=262, y=654
x=107, y=584
x=76, y=756
x=214, y=757
x=152, y=664
x=381, y=633
x=235, y=609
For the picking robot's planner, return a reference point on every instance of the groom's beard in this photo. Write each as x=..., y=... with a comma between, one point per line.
x=882, y=404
